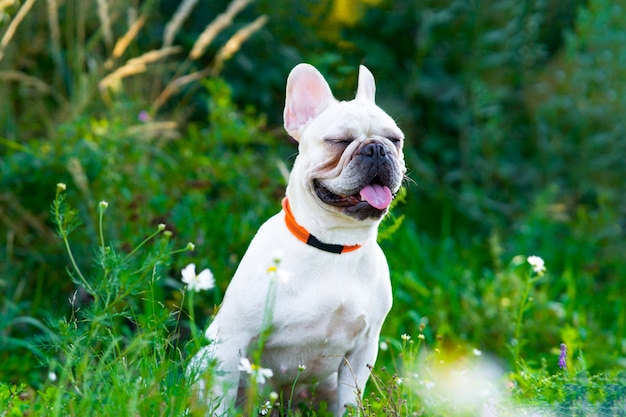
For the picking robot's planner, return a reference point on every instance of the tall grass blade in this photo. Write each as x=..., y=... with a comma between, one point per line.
x=12, y=28
x=220, y=23
x=173, y=26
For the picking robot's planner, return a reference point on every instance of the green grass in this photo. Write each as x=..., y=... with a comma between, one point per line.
x=122, y=350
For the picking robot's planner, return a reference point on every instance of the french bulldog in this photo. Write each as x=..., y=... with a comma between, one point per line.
x=310, y=295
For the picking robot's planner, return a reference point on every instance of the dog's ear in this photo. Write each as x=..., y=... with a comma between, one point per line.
x=367, y=87
x=308, y=94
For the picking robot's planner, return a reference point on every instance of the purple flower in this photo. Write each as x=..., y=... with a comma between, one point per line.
x=563, y=356
x=143, y=116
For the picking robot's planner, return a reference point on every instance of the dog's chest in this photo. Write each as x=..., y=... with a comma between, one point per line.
x=317, y=328
x=325, y=316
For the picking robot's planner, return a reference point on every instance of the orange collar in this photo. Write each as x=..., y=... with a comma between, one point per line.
x=303, y=235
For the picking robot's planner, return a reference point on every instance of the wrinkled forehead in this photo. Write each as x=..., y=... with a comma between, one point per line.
x=356, y=119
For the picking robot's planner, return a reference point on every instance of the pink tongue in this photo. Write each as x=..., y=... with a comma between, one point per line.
x=377, y=195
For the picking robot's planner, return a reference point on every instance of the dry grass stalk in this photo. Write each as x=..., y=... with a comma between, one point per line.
x=78, y=174
x=136, y=65
x=122, y=43
x=225, y=53
x=119, y=74
x=176, y=85
x=8, y=35
x=214, y=28
x=164, y=130
x=173, y=26
x=6, y=3
x=53, y=23
x=26, y=79
x=105, y=22
x=32, y=82
x=234, y=43
x=154, y=55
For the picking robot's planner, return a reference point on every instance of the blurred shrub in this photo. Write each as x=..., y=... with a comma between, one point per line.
x=212, y=187
x=578, y=106
x=579, y=102
x=108, y=114
x=149, y=178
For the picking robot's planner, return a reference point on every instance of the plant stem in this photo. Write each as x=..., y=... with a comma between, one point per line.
x=101, y=232
x=174, y=252
x=293, y=388
x=520, y=315
x=146, y=240
x=68, y=249
x=192, y=318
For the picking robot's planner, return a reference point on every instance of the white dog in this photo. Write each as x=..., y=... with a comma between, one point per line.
x=313, y=289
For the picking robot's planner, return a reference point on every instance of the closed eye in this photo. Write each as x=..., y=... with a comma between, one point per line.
x=342, y=141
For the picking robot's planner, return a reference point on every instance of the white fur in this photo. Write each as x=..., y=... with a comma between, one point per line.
x=327, y=309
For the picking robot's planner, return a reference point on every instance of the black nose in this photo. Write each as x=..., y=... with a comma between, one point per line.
x=373, y=150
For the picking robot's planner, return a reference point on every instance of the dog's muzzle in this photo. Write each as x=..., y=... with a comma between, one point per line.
x=369, y=182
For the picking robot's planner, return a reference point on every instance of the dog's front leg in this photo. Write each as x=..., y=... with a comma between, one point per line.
x=354, y=373
x=221, y=391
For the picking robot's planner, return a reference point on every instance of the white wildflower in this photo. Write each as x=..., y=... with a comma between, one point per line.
x=203, y=281
x=537, y=264
x=261, y=374
x=265, y=408
x=489, y=408
x=275, y=273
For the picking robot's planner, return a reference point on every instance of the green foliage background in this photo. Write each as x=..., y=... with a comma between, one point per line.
x=514, y=117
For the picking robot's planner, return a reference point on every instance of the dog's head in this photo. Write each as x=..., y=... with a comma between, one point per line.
x=350, y=157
